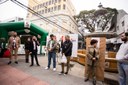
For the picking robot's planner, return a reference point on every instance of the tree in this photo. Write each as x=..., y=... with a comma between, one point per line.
x=103, y=20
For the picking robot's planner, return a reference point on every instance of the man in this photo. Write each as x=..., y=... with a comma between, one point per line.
x=27, y=47
x=122, y=58
x=67, y=51
x=51, y=47
x=33, y=50
x=13, y=45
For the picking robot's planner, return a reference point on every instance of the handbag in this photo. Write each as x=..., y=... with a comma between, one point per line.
x=7, y=54
x=63, y=59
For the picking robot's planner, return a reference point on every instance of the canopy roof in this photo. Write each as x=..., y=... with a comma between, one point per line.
x=19, y=27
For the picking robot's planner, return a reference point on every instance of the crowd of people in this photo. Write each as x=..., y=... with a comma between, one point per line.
x=65, y=48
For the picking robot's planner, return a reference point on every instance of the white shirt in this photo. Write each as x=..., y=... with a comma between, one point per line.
x=123, y=52
x=34, y=44
x=51, y=44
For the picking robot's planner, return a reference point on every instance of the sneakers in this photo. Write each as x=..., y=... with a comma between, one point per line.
x=61, y=72
x=16, y=62
x=54, y=69
x=65, y=73
x=46, y=68
x=9, y=62
x=86, y=79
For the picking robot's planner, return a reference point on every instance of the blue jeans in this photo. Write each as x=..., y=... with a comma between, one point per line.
x=52, y=55
x=123, y=73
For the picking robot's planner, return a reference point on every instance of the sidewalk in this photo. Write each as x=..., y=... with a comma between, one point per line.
x=25, y=74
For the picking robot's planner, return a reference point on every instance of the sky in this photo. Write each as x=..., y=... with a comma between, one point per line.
x=9, y=9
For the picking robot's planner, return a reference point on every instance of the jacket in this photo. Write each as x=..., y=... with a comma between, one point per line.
x=53, y=46
x=32, y=46
x=90, y=55
x=67, y=48
x=27, y=45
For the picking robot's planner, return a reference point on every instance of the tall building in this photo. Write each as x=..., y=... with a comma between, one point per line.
x=60, y=12
x=13, y=19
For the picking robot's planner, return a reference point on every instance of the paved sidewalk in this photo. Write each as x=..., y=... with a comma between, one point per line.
x=39, y=74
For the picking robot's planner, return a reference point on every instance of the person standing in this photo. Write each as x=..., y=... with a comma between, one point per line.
x=13, y=45
x=2, y=46
x=27, y=47
x=92, y=60
x=51, y=47
x=67, y=51
x=33, y=50
x=122, y=59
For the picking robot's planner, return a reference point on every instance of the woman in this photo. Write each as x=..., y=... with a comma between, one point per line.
x=33, y=50
x=92, y=60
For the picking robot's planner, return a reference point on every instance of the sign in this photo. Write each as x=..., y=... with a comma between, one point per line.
x=27, y=24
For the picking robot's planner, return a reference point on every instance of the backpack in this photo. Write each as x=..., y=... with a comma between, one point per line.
x=57, y=48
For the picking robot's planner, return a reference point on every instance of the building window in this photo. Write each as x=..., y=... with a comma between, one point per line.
x=52, y=9
x=33, y=8
x=46, y=3
x=48, y=9
x=52, y=1
x=38, y=7
x=64, y=6
x=59, y=7
x=55, y=8
x=42, y=12
x=43, y=4
x=59, y=1
x=55, y=1
x=122, y=23
x=49, y=2
x=45, y=10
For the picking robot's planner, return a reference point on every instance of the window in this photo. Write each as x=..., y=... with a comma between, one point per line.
x=55, y=1
x=38, y=7
x=64, y=6
x=55, y=8
x=48, y=9
x=33, y=8
x=52, y=9
x=39, y=12
x=45, y=10
x=46, y=3
x=49, y=2
x=52, y=1
x=43, y=4
x=59, y=7
x=42, y=11
x=59, y=1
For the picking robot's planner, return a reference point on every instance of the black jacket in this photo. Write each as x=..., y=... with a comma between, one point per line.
x=67, y=48
x=27, y=45
x=32, y=46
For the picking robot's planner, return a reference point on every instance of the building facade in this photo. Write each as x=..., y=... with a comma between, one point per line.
x=57, y=15
x=13, y=19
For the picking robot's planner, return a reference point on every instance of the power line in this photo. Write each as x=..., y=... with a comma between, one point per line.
x=4, y=1
x=37, y=14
